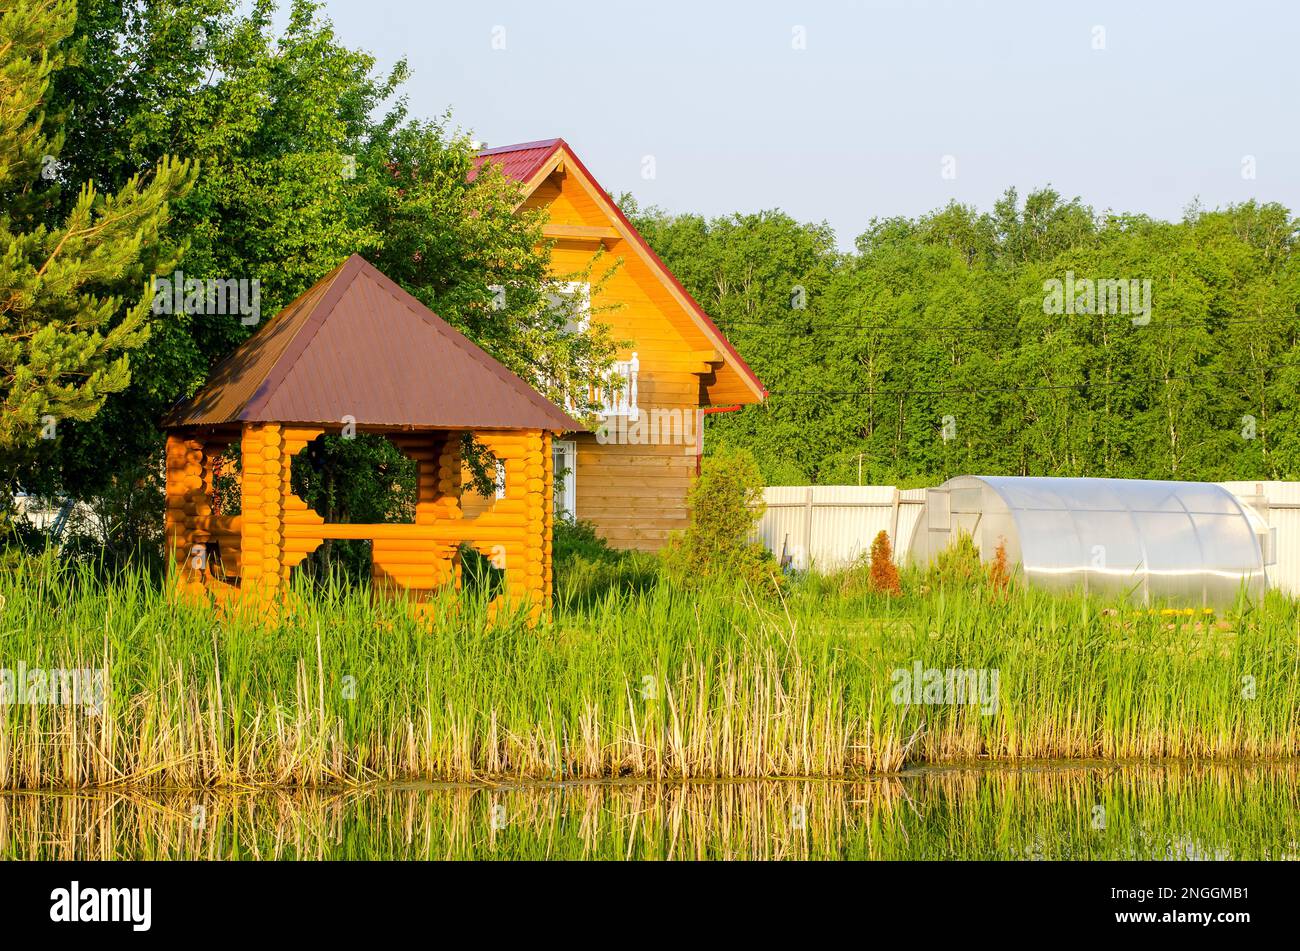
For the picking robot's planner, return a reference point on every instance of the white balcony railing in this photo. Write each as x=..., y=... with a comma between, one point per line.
x=618, y=396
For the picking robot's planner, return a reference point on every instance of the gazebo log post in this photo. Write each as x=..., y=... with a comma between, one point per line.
x=548, y=521
x=186, y=502
x=261, y=499
x=534, y=566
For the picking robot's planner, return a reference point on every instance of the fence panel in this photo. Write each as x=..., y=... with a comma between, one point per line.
x=831, y=526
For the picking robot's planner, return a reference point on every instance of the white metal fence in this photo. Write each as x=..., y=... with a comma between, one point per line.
x=829, y=526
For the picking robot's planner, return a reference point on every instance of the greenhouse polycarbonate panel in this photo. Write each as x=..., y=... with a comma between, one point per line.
x=1181, y=542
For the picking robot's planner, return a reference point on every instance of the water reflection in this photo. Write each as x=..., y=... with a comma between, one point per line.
x=1039, y=812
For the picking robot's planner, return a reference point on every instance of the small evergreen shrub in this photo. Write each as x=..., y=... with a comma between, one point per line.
x=957, y=566
x=726, y=503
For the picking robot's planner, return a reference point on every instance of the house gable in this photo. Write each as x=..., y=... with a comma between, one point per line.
x=670, y=331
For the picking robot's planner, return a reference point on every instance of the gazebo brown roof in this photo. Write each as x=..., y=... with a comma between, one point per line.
x=357, y=345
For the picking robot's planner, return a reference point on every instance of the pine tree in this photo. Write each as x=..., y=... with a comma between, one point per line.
x=65, y=323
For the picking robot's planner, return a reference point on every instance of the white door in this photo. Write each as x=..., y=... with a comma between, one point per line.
x=564, y=455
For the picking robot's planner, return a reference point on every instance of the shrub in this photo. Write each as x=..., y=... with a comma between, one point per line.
x=570, y=539
x=588, y=570
x=726, y=503
x=884, y=573
x=956, y=566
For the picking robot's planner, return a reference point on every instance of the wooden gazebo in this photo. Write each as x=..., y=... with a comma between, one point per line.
x=358, y=353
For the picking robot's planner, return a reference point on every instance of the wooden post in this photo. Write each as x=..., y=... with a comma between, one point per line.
x=447, y=498
x=548, y=522
x=807, y=530
x=262, y=498
x=186, y=502
x=535, y=559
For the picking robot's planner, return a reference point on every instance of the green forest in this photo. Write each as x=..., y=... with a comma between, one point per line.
x=941, y=344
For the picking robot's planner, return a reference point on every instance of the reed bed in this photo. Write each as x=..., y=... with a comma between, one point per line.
x=656, y=683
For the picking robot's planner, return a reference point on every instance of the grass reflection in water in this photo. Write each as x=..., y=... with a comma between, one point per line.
x=1066, y=811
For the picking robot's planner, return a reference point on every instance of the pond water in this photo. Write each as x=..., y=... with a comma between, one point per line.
x=1042, y=811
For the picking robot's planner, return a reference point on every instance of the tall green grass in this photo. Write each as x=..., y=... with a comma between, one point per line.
x=648, y=680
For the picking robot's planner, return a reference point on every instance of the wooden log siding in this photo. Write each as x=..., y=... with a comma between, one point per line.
x=548, y=516
x=261, y=504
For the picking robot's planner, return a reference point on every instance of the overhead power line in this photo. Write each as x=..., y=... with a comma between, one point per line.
x=953, y=329
x=990, y=391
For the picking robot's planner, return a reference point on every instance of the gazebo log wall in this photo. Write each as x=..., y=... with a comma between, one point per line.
x=251, y=555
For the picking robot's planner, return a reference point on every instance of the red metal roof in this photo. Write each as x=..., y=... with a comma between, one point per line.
x=518, y=162
x=357, y=345
x=521, y=162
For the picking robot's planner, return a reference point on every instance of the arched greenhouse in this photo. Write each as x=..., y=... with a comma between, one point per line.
x=1177, y=542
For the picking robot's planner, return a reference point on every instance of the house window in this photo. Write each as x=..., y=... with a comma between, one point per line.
x=577, y=321
x=579, y=311
x=564, y=455
x=501, y=479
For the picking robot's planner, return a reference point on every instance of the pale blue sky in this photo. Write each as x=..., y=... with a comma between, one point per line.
x=858, y=123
